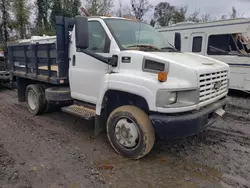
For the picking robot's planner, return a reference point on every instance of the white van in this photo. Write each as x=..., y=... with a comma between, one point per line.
x=225, y=40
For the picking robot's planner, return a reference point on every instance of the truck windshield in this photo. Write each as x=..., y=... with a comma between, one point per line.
x=131, y=34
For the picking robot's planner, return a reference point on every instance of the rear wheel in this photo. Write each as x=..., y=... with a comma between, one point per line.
x=35, y=99
x=130, y=132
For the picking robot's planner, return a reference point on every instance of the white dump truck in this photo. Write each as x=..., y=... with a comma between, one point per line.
x=123, y=75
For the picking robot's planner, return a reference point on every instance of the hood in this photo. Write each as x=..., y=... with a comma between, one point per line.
x=189, y=60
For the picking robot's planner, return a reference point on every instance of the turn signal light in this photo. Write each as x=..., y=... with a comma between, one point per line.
x=162, y=76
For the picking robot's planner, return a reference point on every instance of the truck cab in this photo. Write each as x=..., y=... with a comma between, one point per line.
x=125, y=76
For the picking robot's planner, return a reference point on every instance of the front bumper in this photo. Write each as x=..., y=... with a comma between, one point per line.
x=183, y=125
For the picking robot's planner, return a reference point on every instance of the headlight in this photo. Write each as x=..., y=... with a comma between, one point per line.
x=172, y=97
x=164, y=98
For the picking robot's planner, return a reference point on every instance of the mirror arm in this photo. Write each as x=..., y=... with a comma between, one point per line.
x=108, y=60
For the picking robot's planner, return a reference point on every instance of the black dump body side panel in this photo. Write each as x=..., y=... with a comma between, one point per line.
x=48, y=62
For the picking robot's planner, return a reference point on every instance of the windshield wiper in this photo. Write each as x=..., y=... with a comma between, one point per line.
x=170, y=49
x=147, y=46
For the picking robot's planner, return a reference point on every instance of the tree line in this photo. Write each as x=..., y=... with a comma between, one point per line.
x=166, y=14
x=21, y=19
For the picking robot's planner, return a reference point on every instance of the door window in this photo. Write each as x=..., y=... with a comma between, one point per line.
x=197, y=44
x=99, y=42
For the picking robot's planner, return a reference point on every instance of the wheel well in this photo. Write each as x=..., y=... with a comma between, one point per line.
x=114, y=99
x=22, y=84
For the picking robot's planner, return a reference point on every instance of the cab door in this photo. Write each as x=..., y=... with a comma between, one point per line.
x=198, y=43
x=87, y=73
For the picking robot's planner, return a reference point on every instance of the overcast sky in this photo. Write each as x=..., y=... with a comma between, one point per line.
x=215, y=7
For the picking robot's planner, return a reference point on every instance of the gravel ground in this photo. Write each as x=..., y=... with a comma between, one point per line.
x=55, y=150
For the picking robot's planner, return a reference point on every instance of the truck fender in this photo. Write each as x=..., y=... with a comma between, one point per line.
x=125, y=87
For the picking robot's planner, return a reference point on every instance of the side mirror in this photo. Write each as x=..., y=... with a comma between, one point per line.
x=113, y=61
x=81, y=32
x=177, y=41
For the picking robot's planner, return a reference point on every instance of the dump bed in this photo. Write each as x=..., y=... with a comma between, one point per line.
x=46, y=61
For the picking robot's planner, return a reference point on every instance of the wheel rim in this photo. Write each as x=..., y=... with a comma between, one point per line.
x=127, y=133
x=32, y=100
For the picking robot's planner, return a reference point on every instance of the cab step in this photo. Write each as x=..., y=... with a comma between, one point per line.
x=81, y=111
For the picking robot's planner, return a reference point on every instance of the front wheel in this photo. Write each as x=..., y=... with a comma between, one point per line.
x=130, y=132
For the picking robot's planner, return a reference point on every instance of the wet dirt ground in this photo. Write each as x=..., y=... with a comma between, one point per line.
x=56, y=150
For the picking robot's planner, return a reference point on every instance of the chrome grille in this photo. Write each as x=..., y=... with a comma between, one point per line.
x=212, y=85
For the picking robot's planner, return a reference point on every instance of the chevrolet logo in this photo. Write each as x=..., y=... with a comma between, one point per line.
x=217, y=85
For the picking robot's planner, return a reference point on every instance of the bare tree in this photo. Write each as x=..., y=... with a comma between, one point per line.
x=127, y=12
x=207, y=18
x=99, y=7
x=223, y=17
x=123, y=11
x=194, y=16
x=119, y=11
x=232, y=15
x=140, y=8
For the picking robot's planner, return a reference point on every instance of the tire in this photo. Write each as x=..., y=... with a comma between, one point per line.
x=50, y=107
x=35, y=99
x=135, y=117
x=58, y=94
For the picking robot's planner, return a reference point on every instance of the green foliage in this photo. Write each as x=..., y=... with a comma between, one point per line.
x=163, y=13
x=152, y=23
x=5, y=21
x=234, y=13
x=166, y=14
x=56, y=10
x=42, y=24
x=49, y=9
x=21, y=14
x=180, y=14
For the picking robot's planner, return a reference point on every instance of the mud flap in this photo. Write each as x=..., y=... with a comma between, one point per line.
x=21, y=89
x=100, y=125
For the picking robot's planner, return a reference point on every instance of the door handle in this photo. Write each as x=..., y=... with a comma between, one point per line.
x=74, y=60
